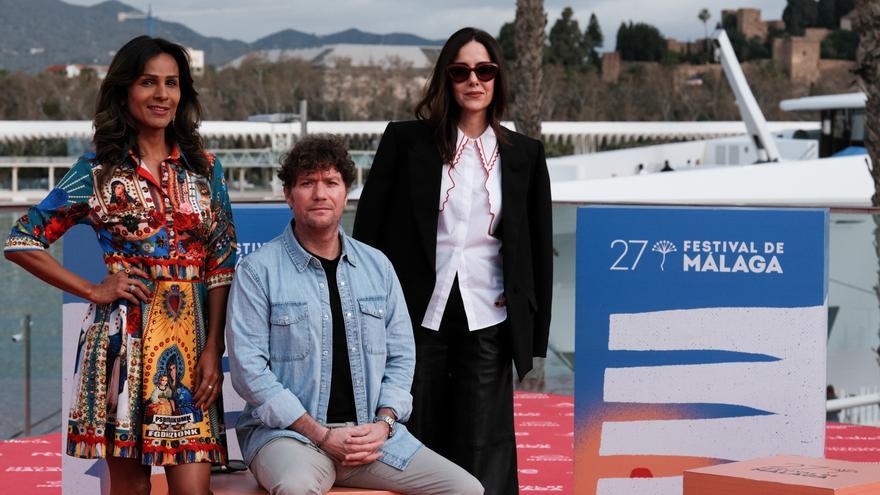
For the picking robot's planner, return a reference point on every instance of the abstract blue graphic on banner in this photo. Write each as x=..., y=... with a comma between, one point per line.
x=700, y=339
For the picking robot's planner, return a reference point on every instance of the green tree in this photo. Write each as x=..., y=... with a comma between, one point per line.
x=640, y=42
x=841, y=8
x=728, y=20
x=748, y=48
x=826, y=14
x=757, y=49
x=704, y=16
x=593, y=40
x=506, y=41
x=566, y=44
x=799, y=15
x=840, y=45
x=772, y=34
x=739, y=43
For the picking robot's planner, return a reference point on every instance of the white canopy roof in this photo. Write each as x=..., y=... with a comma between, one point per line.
x=20, y=130
x=840, y=182
x=827, y=102
x=358, y=55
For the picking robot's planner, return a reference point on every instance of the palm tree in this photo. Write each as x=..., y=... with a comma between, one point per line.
x=527, y=77
x=704, y=16
x=867, y=25
x=528, y=74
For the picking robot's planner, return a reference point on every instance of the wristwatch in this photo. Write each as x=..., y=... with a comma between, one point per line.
x=388, y=420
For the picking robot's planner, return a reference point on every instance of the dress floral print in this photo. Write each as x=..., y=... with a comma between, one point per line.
x=133, y=392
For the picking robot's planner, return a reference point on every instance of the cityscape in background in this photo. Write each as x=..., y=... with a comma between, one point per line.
x=593, y=71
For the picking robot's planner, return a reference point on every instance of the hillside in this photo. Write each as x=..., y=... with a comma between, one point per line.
x=36, y=34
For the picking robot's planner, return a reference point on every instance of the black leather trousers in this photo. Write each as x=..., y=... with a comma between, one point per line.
x=463, y=397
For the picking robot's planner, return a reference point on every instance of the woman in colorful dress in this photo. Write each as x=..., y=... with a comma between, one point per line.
x=159, y=206
x=461, y=206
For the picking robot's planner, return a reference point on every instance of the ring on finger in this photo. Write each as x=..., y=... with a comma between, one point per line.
x=130, y=287
x=210, y=387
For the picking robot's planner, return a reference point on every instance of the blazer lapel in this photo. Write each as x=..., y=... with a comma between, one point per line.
x=426, y=168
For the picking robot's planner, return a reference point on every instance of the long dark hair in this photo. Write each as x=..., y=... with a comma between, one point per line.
x=438, y=107
x=115, y=128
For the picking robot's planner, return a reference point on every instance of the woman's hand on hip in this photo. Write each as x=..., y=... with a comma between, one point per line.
x=121, y=285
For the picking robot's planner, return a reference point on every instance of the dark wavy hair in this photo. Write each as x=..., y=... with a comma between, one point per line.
x=115, y=128
x=438, y=107
x=316, y=152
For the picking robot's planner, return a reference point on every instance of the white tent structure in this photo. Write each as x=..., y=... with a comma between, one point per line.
x=830, y=182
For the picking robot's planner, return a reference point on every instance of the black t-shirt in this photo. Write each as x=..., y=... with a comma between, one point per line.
x=341, y=407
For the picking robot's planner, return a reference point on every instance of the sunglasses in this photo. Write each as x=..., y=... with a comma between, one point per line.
x=485, y=71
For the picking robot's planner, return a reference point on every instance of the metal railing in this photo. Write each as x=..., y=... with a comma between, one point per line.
x=861, y=409
x=28, y=425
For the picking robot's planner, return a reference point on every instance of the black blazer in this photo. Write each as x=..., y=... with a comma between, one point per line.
x=398, y=213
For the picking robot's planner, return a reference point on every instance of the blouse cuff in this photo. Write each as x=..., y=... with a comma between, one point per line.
x=23, y=243
x=219, y=278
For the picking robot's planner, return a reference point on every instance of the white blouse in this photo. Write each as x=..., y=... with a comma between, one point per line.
x=470, y=211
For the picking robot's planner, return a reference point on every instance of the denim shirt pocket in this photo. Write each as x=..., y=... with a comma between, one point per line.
x=373, y=326
x=290, y=337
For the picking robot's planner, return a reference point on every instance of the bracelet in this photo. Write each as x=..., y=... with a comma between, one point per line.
x=326, y=436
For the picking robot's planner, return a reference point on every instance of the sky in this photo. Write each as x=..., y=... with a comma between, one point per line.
x=435, y=19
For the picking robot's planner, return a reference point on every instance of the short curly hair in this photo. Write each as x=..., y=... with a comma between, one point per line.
x=316, y=152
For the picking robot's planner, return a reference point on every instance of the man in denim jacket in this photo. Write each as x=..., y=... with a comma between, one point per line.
x=321, y=348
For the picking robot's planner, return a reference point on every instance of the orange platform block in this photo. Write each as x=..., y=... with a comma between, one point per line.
x=784, y=475
x=243, y=483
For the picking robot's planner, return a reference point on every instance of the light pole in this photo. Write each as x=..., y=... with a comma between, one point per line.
x=25, y=336
x=124, y=16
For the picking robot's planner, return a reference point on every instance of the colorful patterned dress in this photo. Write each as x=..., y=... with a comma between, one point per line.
x=177, y=228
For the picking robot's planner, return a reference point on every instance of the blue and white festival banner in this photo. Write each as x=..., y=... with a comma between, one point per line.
x=700, y=340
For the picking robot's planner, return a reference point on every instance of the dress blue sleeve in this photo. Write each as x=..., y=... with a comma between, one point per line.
x=65, y=206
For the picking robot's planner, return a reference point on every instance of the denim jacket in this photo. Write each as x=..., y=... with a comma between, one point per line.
x=279, y=335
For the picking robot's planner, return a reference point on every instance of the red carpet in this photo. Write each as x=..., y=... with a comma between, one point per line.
x=31, y=466
x=544, y=442
x=852, y=443
x=544, y=426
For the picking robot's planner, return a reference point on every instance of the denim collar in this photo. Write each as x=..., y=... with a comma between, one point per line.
x=301, y=258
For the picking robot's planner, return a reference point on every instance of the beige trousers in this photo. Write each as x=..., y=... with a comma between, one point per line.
x=286, y=466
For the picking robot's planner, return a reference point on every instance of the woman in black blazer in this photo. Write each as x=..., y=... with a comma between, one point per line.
x=461, y=207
